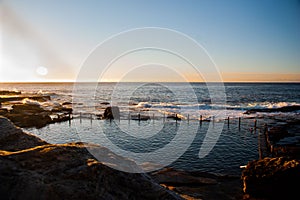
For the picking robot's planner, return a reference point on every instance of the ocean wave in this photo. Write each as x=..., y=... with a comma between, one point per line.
x=270, y=105
x=202, y=106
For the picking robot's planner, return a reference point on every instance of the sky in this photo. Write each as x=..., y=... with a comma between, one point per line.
x=247, y=40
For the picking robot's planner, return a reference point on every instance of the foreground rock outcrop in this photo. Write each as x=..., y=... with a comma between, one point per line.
x=33, y=169
x=194, y=185
x=13, y=138
x=272, y=178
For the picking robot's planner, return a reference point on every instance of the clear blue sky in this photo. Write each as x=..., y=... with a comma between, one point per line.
x=244, y=37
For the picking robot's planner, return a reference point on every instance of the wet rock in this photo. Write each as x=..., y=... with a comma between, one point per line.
x=104, y=103
x=27, y=108
x=274, y=178
x=24, y=121
x=20, y=98
x=62, y=109
x=67, y=171
x=174, y=117
x=66, y=103
x=140, y=117
x=268, y=110
x=29, y=115
x=99, y=116
x=112, y=112
x=7, y=92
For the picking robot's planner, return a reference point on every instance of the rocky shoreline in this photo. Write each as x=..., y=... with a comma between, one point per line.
x=25, y=109
x=31, y=168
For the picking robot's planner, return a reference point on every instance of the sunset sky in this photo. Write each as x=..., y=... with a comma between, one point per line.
x=248, y=40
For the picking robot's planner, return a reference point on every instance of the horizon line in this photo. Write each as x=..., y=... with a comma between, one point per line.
x=48, y=82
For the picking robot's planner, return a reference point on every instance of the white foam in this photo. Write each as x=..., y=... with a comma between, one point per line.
x=30, y=102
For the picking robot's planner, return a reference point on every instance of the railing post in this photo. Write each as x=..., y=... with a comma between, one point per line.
x=200, y=120
x=228, y=122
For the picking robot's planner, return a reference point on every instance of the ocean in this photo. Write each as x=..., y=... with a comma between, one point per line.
x=162, y=140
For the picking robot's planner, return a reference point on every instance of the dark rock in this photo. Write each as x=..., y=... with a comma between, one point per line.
x=6, y=92
x=140, y=117
x=104, y=103
x=27, y=108
x=99, y=116
x=268, y=110
x=14, y=139
x=68, y=171
x=199, y=185
x=174, y=117
x=66, y=103
x=29, y=115
x=20, y=98
x=274, y=178
x=33, y=115
x=67, y=110
x=112, y=113
x=177, y=177
x=276, y=133
x=3, y=111
x=62, y=109
x=27, y=120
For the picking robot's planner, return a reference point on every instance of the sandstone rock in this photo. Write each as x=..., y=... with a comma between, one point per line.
x=177, y=177
x=199, y=185
x=14, y=139
x=274, y=178
x=66, y=171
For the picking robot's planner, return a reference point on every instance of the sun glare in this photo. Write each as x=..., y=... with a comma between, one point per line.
x=43, y=71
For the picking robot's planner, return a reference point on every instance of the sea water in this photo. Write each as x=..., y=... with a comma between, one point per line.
x=234, y=146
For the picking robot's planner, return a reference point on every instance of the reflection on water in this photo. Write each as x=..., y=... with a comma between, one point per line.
x=235, y=146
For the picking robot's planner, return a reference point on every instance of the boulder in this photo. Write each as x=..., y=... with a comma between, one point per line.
x=112, y=112
x=24, y=120
x=27, y=108
x=29, y=115
x=272, y=178
x=66, y=171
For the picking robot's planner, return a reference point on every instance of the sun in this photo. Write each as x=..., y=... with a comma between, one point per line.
x=43, y=71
